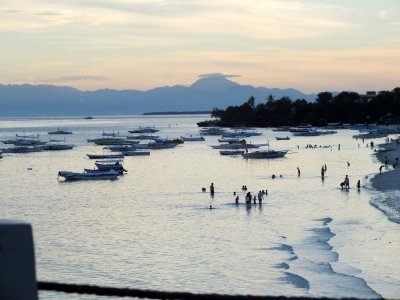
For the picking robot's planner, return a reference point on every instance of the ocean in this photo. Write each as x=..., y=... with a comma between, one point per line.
x=153, y=229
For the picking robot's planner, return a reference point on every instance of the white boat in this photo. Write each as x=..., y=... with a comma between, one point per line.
x=282, y=138
x=102, y=175
x=265, y=154
x=191, y=138
x=60, y=131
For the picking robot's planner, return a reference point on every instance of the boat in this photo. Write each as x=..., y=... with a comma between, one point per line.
x=112, y=141
x=143, y=137
x=282, y=138
x=24, y=142
x=102, y=175
x=56, y=147
x=231, y=152
x=265, y=154
x=112, y=164
x=281, y=128
x=104, y=156
x=21, y=149
x=192, y=138
x=241, y=133
x=237, y=146
x=113, y=133
x=147, y=129
x=230, y=140
x=88, y=118
x=370, y=135
x=164, y=140
x=59, y=131
x=212, y=131
x=135, y=153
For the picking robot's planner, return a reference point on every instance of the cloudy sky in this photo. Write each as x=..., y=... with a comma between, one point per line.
x=140, y=44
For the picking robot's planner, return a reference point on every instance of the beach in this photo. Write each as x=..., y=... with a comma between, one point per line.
x=388, y=182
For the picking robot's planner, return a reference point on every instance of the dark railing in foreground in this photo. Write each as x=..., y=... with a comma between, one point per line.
x=149, y=294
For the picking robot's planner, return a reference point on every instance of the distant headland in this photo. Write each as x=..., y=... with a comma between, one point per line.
x=197, y=112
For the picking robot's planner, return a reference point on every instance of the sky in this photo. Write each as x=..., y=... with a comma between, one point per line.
x=309, y=45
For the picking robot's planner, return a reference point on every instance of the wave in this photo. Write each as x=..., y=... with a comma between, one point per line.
x=296, y=280
x=387, y=202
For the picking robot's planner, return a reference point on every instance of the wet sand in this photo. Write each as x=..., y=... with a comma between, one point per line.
x=389, y=179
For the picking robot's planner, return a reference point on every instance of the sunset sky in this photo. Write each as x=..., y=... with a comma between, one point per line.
x=310, y=45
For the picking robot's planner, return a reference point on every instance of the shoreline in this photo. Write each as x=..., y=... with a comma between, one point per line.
x=388, y=182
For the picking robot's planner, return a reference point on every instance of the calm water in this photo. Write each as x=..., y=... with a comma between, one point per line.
x=152, y=227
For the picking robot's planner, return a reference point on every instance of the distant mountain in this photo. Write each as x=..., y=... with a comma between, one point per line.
x=203, y=95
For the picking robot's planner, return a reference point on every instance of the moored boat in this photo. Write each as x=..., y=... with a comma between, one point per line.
x=102, y=175
x=265, y=154
x=192, y=138
x=282, y=138
x=104, y=156
x=60, y=131
x=231, y=152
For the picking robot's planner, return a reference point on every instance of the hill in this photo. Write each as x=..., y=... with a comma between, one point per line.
x=203, y=95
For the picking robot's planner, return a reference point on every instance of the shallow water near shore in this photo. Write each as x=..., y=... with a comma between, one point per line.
x=153, y=229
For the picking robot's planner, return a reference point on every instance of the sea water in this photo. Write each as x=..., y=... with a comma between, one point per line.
x=153, y=229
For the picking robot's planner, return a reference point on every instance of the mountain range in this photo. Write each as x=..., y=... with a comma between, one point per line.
x=28, y=100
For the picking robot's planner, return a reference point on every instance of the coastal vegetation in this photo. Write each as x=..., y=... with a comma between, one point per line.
x=344, y=107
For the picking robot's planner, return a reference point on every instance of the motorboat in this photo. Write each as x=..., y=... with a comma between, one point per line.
x=241, y=133
x=147, y=129
x=230, y=140
x=265, y=154
x=100, y=175
x=104, y=156
x=164, y=140
x=112, y=141
x=56, y=147
x=238, y=146
x=112, y=164
x=212, y=131
x=231, y=152
x=192, y=138
x=136, y=153
x=281, y=128
x=24, y=142
x=282, y=138
x=60, y=131
x=21, y=149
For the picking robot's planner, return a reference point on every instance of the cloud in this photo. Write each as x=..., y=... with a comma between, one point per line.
x=76, y=78
x=218, y=75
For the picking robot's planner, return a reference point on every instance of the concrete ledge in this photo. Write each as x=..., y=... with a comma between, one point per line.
x=17, y=261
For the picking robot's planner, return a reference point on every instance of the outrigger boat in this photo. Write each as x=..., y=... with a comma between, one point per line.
x=100, y=175
x=265, y=154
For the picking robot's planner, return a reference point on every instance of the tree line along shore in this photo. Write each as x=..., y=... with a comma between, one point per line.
x=345, y=107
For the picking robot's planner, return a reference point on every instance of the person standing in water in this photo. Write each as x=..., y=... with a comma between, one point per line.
x=347, y=182
x=322, y=172
x=298, y=171
x=212, y=189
